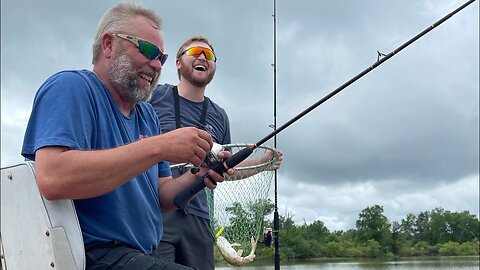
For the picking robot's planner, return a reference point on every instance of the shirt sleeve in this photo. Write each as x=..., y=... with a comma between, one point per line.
x=62, y=115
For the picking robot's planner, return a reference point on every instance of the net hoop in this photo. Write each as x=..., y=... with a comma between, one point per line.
x=263, y=165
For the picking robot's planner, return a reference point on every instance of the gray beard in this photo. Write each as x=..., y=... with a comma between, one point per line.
x=125, y=80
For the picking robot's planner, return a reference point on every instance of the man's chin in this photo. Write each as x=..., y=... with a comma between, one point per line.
x=139, y=95
x=201, y=83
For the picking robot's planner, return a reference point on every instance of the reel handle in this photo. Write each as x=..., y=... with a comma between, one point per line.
x=182, y=198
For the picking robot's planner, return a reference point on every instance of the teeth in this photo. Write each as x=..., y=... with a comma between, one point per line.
x=146, y=77
x=200, y=68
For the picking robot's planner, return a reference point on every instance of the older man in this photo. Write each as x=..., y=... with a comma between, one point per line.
x=94, y=139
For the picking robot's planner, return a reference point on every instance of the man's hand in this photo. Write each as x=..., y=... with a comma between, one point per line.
x=214, y=175
x=187, y=144
x=269, y=156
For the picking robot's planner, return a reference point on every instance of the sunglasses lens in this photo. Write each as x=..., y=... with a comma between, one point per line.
x=163, y=57
x=195, y=51
x=148, y=49
x=151, y=51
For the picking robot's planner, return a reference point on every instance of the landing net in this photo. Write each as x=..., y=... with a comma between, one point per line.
x=238, y=204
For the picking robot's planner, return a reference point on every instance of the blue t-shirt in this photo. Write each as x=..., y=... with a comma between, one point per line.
x=216, y=123
x=74, y=109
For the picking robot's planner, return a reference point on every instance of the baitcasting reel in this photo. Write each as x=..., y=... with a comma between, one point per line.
x=212, y=159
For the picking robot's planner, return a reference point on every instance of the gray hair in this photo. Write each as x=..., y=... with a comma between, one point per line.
x=118, y=19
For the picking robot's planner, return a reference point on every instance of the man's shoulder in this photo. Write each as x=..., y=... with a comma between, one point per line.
x=163, y=88
x=160, y=92
x=215, y=105
x=70, y=74
x=71, y=79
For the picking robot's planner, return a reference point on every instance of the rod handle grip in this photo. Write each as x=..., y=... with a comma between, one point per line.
x=182, y=198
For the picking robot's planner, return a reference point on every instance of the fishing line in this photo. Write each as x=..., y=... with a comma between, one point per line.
x=184, y=197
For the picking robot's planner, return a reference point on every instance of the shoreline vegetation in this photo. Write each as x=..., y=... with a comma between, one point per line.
x=432, y=233
x=436, y=233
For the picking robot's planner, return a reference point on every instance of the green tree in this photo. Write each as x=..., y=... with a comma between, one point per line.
x=291, y=240
x=373, y=249
x=286, y=222
x=245, y=221
x=422, y=226
x=373, y=225
x=439, y=230
x=451, y=234
x=317, y=231
x=333, y=249
x=446, y=226
x=421, y=249
x=396, y=236
x=464, y=226
x=449, y=249
x=408, y=227
x=240, y=218
x=405, y=248
x=470, y=248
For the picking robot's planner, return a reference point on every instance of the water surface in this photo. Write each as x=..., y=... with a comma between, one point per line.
x=430, y=263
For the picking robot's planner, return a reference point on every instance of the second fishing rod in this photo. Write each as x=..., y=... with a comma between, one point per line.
x=220, y=166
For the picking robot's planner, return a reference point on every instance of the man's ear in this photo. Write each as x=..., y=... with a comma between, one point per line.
x=107, y=45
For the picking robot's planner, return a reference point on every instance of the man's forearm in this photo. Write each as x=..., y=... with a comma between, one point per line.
x=75, y=174
x=168, y=188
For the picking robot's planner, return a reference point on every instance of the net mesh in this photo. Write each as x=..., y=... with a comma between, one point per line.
x=238, y=204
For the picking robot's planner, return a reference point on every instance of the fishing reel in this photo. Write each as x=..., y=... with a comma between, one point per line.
x=211, y=160
x=214, y=162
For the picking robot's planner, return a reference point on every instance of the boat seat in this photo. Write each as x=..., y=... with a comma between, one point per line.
x=36, y=233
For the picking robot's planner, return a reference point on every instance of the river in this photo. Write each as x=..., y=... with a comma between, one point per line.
x=429, y=263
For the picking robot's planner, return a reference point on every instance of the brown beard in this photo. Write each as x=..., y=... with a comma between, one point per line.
x=187, y=73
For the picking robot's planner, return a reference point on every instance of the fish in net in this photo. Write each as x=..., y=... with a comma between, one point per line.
x=237, y=205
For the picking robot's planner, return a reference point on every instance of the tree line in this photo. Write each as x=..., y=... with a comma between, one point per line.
x=438, y=232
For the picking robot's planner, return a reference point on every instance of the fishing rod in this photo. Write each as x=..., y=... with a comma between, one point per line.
x=220, y=167
x=276, y=219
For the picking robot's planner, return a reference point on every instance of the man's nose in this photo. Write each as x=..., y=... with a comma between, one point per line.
x=202, y=55
x=156, y=64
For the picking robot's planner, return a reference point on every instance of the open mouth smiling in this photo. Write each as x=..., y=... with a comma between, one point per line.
x=146, y=77
x=200, y=68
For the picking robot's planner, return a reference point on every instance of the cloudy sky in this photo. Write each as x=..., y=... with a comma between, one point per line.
x=406, y=136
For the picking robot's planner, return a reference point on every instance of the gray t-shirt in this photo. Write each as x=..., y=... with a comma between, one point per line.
x=216, y=123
